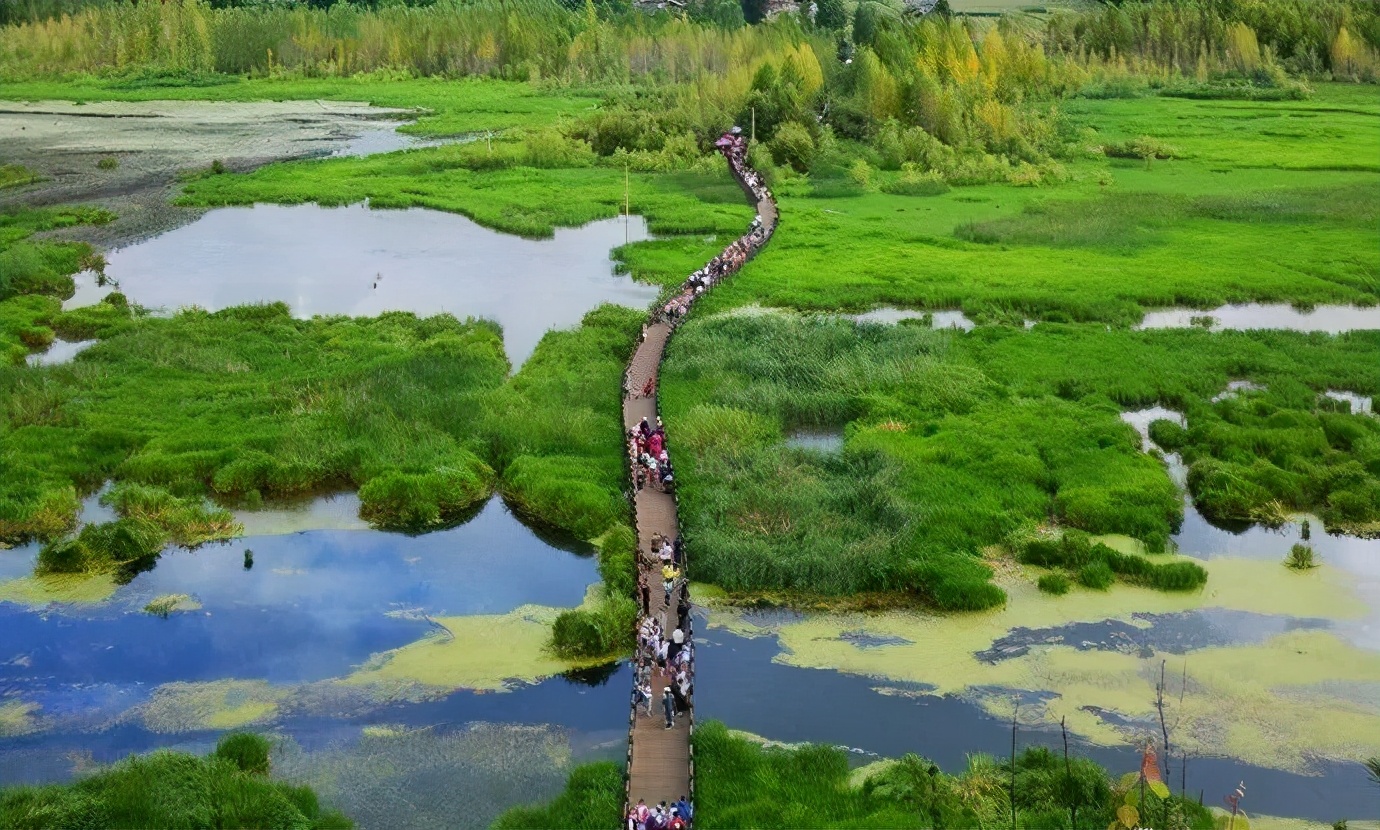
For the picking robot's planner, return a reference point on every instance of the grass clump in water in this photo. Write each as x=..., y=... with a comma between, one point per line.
x=1097, y=566
x=166, y=790
x=412, y=501
x=165, y=605
x=601, y=628
x=1056, y=584
x=1301, y=557
x=592, y=800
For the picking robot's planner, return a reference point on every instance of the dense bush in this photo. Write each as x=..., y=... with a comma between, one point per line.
x=1056, y=584
x=247, y=750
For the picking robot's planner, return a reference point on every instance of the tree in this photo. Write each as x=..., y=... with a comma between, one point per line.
x=864, y=24
x=831, y=14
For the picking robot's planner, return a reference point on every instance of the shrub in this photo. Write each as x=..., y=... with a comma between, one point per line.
x=1300, y=557
x=914, y=183
x=249, y=752
x=1056, y=584
x=108, y=163
x=793, y=145
x=1096, y=575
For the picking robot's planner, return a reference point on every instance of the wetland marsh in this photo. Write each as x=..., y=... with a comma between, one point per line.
x=1049, y=304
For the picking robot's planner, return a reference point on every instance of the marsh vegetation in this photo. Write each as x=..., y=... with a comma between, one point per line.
x=1072, y=169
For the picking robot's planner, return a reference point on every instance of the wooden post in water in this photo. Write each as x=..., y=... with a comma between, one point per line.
x=627, y=204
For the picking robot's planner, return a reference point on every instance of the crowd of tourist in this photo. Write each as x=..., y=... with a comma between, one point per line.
x=662, y=655
x=734, y=147
x=676, y=816
x=648, y=457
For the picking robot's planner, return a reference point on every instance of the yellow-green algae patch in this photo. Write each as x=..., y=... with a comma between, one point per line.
x=219, y=704
x=167, y=604
x=17, y=718
x=1275, y=703
x=68, y=588
x=482, y=652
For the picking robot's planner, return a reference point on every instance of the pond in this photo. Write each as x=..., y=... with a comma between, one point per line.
x=360, y=262
x=1333, y=319
x=287, y=645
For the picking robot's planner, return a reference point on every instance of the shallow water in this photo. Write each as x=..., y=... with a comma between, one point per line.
x=312, y=608
x=385, y=138
x=360, y=262
x=825, y=442
x=1333, y=319
x=740, y=681
x=1360, y=404
x=889, y=315
x=61, y=351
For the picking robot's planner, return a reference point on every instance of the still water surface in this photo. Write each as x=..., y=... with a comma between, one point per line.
x=361, y=262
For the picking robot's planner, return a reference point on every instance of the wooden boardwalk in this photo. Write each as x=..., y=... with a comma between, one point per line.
x=660, y=765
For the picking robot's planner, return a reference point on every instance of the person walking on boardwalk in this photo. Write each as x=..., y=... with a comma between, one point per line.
x=669, y=576
x=646, y=593
x=683, y=807
x=668, y=704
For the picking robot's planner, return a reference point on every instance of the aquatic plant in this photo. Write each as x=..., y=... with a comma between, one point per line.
x=119, y=545
x=1097, y=565
x=1052, y=583
x=1300, y=558
x=186, y=521
x=166, y=790
x=165, y=605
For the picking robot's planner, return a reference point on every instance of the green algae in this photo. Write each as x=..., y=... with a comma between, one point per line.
x=393, y=771
x=74, y=589
x=17, y=718
x=481, y=652
x=219, y=704
x=1275, y=703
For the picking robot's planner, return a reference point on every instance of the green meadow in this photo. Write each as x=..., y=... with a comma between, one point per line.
x=1261, y=202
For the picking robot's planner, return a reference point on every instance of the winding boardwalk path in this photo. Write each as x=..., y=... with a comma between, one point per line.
x=660, y=765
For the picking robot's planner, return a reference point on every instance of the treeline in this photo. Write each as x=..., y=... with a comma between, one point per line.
x=964, y=99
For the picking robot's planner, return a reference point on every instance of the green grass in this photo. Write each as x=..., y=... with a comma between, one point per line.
x=173, y=790
x=249, y=402
x=742, y=783
x=36, y=275
x=1118, y=236
x=501, y=191
x=592, y=800
x=955, y=441
x=17, y=175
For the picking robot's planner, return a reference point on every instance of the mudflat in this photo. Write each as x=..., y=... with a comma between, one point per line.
x=152, y=142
